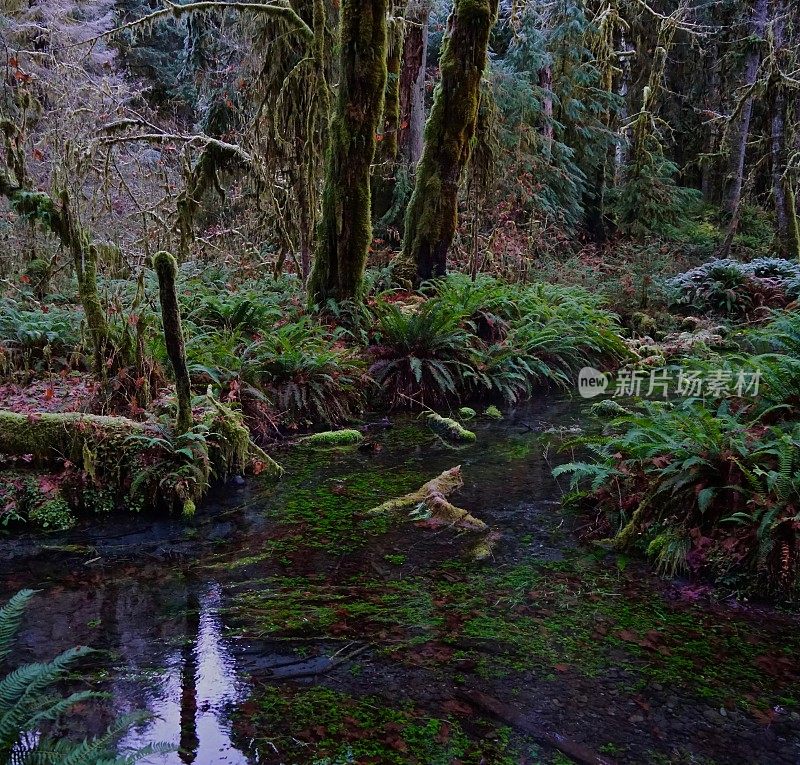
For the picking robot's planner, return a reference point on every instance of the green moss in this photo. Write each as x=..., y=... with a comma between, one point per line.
x=466, y=413
x=320, y=725
x=449, y=428
x=334, y=438
x=532, y=617
x=493, y=413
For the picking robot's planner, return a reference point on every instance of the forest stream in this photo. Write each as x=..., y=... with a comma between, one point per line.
x=285, y=625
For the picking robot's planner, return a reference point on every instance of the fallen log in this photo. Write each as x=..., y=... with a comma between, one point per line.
x=65, y=435
x=507, y=714
x=433, y=495
x=143, y=464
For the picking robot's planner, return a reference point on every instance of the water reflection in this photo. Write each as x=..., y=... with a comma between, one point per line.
x=190, y=699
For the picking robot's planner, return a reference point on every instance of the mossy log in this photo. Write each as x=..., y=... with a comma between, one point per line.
x=433, y=495
x=345, y=437
x=432, y=213
x=66, y=435
x=449, y=428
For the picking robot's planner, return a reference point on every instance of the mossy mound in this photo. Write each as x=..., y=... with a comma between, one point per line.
x=346, y=437
x=493, y=413
x=96, y=462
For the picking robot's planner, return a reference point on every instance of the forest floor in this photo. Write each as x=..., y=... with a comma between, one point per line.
x=287, y=625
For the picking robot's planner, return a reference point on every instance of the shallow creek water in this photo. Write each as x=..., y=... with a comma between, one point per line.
x=283, y=625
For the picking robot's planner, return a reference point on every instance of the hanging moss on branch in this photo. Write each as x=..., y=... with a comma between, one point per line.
x=432, y=214
x=433, y=495
x=167, y=271
x=345, y=230
x=60, y=219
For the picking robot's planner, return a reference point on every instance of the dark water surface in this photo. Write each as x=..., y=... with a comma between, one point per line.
x=281, y=626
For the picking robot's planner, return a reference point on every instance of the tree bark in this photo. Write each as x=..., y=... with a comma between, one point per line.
x=546, y=85
x=412, y=83
x=432, y=213
x=167, y=269
x=384, y=170
x=782, y=193
x=738, y=155
x=345, y=230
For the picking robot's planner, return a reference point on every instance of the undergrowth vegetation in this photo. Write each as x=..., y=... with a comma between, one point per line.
x=703, y=485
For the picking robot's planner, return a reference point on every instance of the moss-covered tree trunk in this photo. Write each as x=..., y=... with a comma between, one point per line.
x=384, y=170
x=738, y=155
x=782, y=193
x=432, y=213
x=167, y=271
x=345, y=229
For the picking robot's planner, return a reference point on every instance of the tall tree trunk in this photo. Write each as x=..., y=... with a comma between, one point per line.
x=739, y=153
x=782, y=193
x=345, y=230
x=384, y=170
x=709, y=165
x=432, y=213
x=546, y=85
x=623, y=88
x=412, y=82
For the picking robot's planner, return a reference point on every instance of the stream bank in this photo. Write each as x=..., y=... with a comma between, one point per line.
x=286, y=625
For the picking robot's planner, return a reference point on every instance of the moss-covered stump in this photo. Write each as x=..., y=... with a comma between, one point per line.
x=433, y=495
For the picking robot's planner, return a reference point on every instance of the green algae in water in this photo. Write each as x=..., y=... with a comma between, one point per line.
x=321, y=725
x=532, y=617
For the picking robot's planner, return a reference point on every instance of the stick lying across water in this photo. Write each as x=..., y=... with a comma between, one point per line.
x=509, y=715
